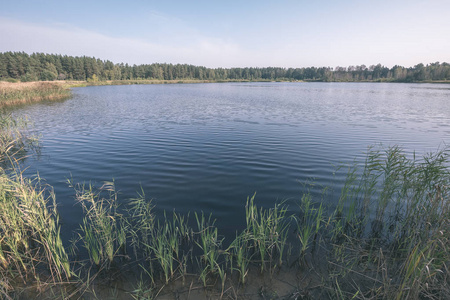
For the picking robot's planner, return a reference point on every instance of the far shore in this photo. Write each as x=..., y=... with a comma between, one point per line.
x=14, y=93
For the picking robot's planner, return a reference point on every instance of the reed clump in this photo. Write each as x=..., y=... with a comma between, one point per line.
x=386, y=237
x=391, y=228
x=27, y=92
x=30, y=244
x=15, y=140
x=103, y=230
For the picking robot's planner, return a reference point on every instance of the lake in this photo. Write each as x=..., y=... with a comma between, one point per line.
x=207, y=147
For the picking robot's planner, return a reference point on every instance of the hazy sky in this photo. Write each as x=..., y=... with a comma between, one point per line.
x=233, y=33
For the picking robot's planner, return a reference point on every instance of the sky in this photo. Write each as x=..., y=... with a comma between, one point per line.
x=282, y=33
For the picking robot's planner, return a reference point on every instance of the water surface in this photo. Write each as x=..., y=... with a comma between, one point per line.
x=207, y=147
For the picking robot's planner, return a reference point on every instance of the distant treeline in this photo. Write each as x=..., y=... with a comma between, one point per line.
x=40, y=66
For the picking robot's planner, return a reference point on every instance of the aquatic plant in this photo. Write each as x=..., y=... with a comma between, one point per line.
x=30, y=242
x=407, y=232
x=15, y=140
x=266, y=231
x=309, y=222
x=210, y=245
x=166, y=245
x=239, y=255
x=104, y=230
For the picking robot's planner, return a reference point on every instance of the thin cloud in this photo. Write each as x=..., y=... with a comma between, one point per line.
x=68, y=40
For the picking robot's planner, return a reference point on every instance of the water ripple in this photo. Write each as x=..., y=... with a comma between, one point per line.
x=209, y=146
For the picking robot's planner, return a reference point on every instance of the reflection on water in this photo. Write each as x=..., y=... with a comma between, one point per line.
x=209, y=146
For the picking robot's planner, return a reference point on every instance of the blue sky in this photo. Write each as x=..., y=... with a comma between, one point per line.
x=233, y=33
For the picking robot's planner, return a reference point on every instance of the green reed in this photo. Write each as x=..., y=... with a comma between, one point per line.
x=165, y=249
x=165, y=244
x=309, y=222
x=409, y=228
x=30, y=243
x=104, y=230
x=140, y=210
x=267, y=231
x=210, y=245
x=30, y=232
x=158, y=242
x=239, y=254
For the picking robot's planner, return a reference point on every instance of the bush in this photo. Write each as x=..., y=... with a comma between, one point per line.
x=29, y=77
x=48, y=76
x=12, y=80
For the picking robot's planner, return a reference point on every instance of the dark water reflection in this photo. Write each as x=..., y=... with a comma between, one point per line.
x=209, y=146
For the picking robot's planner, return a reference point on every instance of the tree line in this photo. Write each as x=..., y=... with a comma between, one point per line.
x=41, y=66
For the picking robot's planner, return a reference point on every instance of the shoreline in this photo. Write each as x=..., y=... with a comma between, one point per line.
x=16, y=93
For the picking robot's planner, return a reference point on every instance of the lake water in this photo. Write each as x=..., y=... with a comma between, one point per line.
x=207, y=147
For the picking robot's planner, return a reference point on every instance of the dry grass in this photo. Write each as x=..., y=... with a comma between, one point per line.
x=35, y=84
x=28, y=92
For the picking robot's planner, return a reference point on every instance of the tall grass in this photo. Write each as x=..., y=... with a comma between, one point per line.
x=104, y=230
x=15, y=140
x=19, y=93
x=30, y=244
x=30, y=228
x=210, y=245
x=404, y=250
x=309, y=223
x=166, y=242
x=266, y=232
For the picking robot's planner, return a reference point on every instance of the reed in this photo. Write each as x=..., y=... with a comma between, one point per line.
x=158, y=242
x=266, y=231
x=239, y=253
x=20, y=93
x=30, y=230
x=143, y=221
x=309, y=222
x=408, y=230
x=15, y=140
x=30, y=242
x=166, y=246
x=210, y=245
x=104, y=230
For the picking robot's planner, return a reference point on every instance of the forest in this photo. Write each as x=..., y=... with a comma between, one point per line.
x=47, y=67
